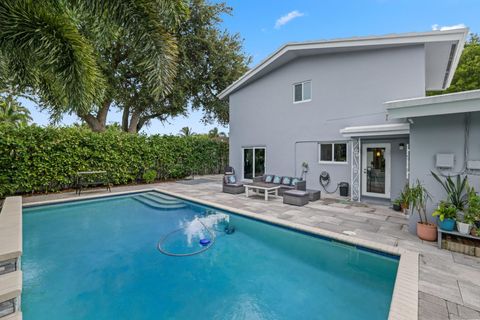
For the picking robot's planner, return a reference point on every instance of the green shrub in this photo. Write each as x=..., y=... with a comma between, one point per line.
x=37, y=159
x=149, y=176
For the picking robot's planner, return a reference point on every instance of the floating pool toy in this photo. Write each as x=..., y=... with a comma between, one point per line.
x=204, y=242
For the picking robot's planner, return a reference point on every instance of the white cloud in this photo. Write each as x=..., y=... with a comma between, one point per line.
x=287, y=18
x=444, y=28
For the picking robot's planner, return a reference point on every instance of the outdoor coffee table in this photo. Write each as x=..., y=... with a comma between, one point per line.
x=268, y=189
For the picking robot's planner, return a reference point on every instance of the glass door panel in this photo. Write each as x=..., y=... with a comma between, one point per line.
x=248, y=163
x=376, y=164
x=259, y=162
x=376, y=170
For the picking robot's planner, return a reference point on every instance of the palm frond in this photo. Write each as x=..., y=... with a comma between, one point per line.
x=46, y=38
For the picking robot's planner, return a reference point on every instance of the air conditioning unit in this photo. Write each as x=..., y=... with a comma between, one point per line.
x=445, y=160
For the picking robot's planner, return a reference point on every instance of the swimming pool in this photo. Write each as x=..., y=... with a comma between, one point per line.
x=100, y=259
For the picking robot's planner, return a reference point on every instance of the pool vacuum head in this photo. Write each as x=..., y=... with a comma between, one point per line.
x=229, y=229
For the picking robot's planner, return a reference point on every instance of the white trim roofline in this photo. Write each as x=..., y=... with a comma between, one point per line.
x=295, y=49
x=376, y=130
x=459, y=102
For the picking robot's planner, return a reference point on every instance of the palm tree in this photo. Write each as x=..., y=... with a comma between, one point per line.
x=186, y=132
x=50, y=48
x=214, y=133
x=11, y=111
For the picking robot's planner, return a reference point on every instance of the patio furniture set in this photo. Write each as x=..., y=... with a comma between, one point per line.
x=294, y=190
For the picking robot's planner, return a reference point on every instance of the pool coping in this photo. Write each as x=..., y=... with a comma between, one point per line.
x=404, y=304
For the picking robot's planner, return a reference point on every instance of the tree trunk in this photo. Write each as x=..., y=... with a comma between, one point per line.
x=125, y=115
x=93, y=123
x=132, y=128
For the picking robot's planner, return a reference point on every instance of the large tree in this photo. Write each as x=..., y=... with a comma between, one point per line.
x=467, y=75
x=209, y=59
x=53, y=50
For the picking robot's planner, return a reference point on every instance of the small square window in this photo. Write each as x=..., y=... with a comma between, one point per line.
x=302, y=91
x=333, y=152
x=326, y=152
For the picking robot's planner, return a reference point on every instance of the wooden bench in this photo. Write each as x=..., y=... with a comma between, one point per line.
x=84, y=179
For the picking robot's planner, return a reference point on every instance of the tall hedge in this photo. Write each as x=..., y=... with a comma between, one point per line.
x=37, y=159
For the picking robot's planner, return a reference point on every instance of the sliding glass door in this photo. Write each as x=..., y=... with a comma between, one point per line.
x=253, y=162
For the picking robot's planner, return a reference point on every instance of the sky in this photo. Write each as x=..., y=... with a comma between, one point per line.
x=267, y=24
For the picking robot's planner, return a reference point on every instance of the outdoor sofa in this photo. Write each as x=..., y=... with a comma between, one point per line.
x=285, y=182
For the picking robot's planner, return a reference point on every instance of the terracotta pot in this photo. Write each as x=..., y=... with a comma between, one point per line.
x=427, y=232
x=473, y=232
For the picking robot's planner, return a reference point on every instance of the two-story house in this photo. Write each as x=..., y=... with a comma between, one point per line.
x=324, y=103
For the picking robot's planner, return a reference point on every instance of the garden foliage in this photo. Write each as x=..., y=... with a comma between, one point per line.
x=37, y=159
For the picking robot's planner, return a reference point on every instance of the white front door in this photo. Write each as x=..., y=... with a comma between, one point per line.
x=376, y=170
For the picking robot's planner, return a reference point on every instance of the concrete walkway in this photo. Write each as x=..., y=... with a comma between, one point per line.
x=449, y=284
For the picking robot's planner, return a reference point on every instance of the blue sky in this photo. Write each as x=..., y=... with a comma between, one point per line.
x=267, y=24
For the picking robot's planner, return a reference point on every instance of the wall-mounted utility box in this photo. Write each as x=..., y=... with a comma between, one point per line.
x=473, y=164
x=444, y=160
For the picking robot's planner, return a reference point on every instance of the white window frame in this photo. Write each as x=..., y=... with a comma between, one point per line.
x=243, y=161
x=333, y=152
x=303, y=91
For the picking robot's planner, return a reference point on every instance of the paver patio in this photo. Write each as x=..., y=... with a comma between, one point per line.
x=449, y=283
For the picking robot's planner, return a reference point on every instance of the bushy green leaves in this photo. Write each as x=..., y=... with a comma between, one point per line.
x=35, y=159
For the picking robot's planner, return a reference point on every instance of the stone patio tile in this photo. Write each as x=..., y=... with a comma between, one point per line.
x=435, y=281
x=373, y=236
x=330, y=227
x=431, y=311
x=351, y=217
x=352, y=225
x=400, y=220
x=467, y=313
x=371, y=216
x=432, y=299
x=470, y=294
x=466, y=260
x=452, y=308
x=332, y=220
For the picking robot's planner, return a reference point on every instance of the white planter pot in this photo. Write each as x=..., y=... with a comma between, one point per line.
x=463, y=228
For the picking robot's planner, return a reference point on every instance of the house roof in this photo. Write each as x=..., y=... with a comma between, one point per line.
x=376, y=130
x=460, y=102
x=443, y=49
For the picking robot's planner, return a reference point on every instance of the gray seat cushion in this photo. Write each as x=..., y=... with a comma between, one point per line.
x=296, y=193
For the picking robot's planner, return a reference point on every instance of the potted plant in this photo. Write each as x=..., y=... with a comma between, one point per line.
x=456, y=192
x=397, y=204
x=446, y=214
x=404, y=201
x=418, y=197
x=473, y=208
x=465, y=225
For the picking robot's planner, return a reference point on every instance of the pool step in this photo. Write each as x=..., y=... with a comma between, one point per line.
x=162, y=195
x=158, y=205
x=160, y=198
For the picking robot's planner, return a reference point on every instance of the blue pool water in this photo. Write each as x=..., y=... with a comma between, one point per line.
x=99, y=259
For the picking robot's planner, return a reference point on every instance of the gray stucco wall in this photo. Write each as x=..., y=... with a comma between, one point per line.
x=441, y=134
x=348, y=89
